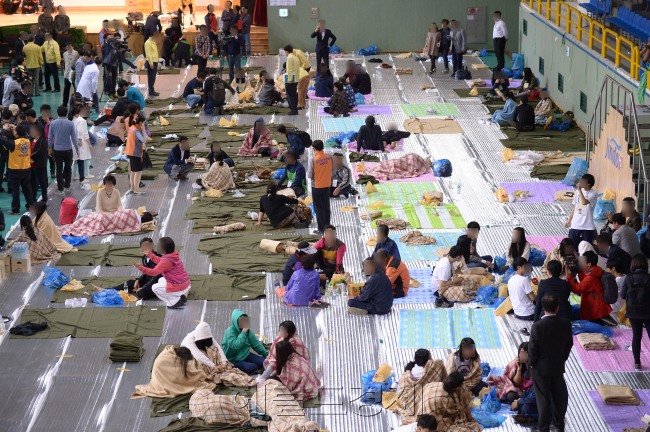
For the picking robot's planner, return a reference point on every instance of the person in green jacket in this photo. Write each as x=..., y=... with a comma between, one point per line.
x=239, y=340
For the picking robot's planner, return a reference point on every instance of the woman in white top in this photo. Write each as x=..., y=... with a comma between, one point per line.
x=198, y=342
x=519, y=247
x=89, y=79
x=83, y=142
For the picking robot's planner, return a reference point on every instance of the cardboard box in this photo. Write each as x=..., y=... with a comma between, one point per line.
x=5, y=262
x=21, y=265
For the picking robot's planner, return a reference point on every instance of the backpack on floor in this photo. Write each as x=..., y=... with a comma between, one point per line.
x=304, y=137
x=69, y=210
x=463, y=74
x=610, y=289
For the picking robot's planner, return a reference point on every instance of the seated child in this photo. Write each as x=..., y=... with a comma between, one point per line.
x=241, y=346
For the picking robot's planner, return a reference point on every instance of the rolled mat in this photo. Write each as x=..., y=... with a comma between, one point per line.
x=272, y=246
x=617, y=395
x=95, y=322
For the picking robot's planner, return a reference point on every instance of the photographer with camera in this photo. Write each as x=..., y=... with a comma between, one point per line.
x=110, y=61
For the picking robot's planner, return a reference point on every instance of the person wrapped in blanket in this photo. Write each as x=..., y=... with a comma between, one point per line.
x=338, y=105
x=330, y=252
x=425, y=423
x=449, y=402
x=341, y=176
x=258, y=141
x=219, y=176
x=303, y=288
x=516, y=379
x=466, y=361
x=241, y=346
x=506, y=114
x=417, y=374
x=213, y=360
x=295, y=176
x=544, y=109
x=565, y=253
x=281, y=210
x=376, y=297
x=41, y=248
x=142, y=286
x=288, y=332
x=445, y=276
x=175, y=372
x=46, y=225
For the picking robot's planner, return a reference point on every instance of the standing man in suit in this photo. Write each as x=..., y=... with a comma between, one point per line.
x=324, y=40
x=500, y=37
x=548, y=350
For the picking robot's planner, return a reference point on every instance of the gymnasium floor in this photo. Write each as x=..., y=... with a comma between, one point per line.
x=70, y=385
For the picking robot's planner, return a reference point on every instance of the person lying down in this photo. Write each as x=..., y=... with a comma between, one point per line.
x=119, y=222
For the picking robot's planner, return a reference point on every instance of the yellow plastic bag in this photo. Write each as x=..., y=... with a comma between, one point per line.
x=376, y=204
x=223, y=122
x=382, y=373
x=128, y=298
x=361, y=167
x=507, y=154
x=96, y=188
x=473, y=91
x=163, y=121
x=370, y=188
x=502, y=195
x=609, y=194
x=213, y=193
x=73, y=285
x=246, y=95
x=141, y=210
x=372, y=242
x=307, y=201
x=348, y=208
x=389, y=399
x=415, y=284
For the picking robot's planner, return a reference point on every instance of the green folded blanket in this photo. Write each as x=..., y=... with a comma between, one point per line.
x=102, y=254
x=550, y=172
x=215, y=287
x=544, y=140
x=161, y=407
x=231, y=254
x=126, y=347
x=195, y=424
x=260, y=110
x=95, y=322
x=363, y=157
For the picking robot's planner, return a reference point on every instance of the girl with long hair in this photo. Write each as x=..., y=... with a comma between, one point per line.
x=135, y=148
x=41, y=248
x=295, y=372
x=467, y=362
x=519, y=247
x=45, y=224
x=449, y=402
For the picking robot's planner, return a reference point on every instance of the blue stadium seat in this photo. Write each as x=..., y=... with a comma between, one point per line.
x=621, y=18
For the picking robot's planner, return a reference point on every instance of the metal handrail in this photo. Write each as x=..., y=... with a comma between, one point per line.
x=594, y=129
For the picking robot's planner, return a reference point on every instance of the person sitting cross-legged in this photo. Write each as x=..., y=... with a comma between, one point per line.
x=376, y=296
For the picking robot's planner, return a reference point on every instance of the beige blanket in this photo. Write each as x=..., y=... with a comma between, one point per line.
x=224, y=372
x=222, y=409
x=432, y=126
x=168, y=380
x=451, y=411
x=411, y=390
x=618, y=395
x=595, y=341
x=275, y=400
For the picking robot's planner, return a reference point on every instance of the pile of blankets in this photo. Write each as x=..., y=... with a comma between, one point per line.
x=618, y=395
x=126, y=347
x=393, y=223
x=416, y=238
x=595, y=341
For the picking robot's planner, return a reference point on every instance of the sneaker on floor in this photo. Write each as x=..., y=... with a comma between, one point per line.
x=183, y=298
x=182, y=177
x=139, y=193
x=357, y=311
x=317, y=232
x=142, y=184
x=66, y=190
x=179, y=305
x=84, y=182
x=173, y=178
x=154, y=94
x=90, y=176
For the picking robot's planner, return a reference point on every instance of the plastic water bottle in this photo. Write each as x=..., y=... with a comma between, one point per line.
x=71, y=274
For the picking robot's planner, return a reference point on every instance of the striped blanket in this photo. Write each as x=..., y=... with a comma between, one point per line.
x=96, y=224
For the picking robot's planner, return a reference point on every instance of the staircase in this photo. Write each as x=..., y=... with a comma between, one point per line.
x=260, y=40
x=636, y=121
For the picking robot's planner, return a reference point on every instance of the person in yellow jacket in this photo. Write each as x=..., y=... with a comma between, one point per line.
x=33, y=62
x=151, y=53
x=291, y=78
x=52, y=53
x=16, y=141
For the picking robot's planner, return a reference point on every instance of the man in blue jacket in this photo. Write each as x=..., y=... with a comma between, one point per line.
x=179, y=162
x=324, y=40
x=376, y=297
x=294, y=174
x=294, y=141
x=234, y=44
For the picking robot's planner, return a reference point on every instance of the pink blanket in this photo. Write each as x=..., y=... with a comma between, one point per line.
x=426, y=177
x=548, y=243
x=409, y=166
x=399, y=147
x=96, y=224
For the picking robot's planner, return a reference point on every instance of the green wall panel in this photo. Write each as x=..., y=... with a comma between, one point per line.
x=391, y=25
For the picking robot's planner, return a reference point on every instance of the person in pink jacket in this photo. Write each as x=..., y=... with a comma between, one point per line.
x=330, y=252
x=174, y=284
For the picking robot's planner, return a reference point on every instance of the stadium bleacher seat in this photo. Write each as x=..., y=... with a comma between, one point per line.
x=631, y=23
x=598, y=7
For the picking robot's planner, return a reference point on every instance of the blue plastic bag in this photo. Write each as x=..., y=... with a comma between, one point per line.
x=278, y=174
x=359, y=99
x=485, y=368
x=483, y=53
x=340, y=139
x=561, y=126
x=107, y=297
x=486, y=294
x=537, y=257
x=372, y=391
x=490, y=402
x=508, y=274
x=517, y=61
x=76, y=241
x=371, y=50
x=603, y=209
x=499, y=261
x=517, y=73
x=334, y=49
x=497, y=302
x=487, y=419
x=507, y=72
x=578, y=168
x=641, y=234
x=54, y=278
x=583, y=326
x=442, y=168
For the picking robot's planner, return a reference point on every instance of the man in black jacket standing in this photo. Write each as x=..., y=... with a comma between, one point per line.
x=548, y=350
x=323, y=36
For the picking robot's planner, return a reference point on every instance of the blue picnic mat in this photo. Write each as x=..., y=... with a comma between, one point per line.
x=428, y=252
x=444, y=328
x=342, y=124
x=423, y=294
